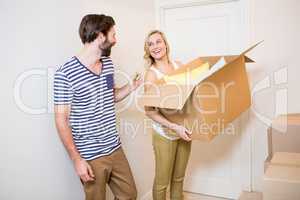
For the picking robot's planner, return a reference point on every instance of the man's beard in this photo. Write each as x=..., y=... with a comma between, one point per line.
x=106, y=48
x=106, y=52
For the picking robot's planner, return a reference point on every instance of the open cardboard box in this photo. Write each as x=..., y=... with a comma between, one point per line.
x=282, y=177
x=284, y=135
x=209, y=106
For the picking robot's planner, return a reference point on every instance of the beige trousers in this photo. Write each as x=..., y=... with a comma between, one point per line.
x=171, y=158
x=113, y=170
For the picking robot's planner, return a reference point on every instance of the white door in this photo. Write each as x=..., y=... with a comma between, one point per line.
x=220, y=167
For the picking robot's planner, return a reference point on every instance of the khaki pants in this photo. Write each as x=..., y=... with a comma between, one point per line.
x=171, y=158
x=113, y=170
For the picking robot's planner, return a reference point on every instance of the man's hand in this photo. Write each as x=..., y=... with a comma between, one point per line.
x=123, y=92
x=137, y=81
x=84, y=170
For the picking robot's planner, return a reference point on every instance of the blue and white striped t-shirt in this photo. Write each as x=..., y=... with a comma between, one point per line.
x=91, y=96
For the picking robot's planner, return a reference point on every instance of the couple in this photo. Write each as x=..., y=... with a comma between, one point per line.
x=84, y=98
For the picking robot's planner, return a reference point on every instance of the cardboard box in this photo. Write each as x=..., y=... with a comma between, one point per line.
x=284, y=134
x=208, y=107
x=286, y=158
x=282, y=177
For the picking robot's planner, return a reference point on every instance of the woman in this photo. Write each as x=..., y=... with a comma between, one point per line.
x=171, y=151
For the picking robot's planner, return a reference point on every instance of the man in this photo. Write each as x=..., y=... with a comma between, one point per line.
x=84, y=97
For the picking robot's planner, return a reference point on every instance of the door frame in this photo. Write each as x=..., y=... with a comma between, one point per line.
x=247, y=147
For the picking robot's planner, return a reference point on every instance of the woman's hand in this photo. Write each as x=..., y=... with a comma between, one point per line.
x=182, y=132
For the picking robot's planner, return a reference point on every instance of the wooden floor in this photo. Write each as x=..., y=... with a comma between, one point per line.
x=251, y=196
x=192, y=196
x=244, y=196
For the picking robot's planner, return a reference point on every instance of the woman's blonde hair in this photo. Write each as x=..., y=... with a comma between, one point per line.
x=147, y=56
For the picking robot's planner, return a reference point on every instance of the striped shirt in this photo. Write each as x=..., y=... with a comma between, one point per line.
x=91, y=97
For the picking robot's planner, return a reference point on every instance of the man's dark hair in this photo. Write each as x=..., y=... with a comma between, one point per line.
x=92, y=24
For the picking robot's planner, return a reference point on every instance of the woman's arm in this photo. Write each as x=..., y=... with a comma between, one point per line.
x=154, y=114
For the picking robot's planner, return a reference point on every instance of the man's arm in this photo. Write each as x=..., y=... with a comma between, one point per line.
x=82, y=168
x=123, y=92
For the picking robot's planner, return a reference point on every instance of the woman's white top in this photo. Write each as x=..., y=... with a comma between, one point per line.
x=156, y=126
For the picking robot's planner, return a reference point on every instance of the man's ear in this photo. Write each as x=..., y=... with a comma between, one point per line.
x=101, y=37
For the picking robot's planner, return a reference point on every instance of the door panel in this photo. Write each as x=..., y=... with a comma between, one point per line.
x=215, y=168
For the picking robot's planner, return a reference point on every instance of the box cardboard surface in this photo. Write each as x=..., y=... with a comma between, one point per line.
x=284, y=134
x=282, y=177
x=286, y=158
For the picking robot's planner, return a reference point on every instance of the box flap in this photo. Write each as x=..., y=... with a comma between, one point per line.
x=170, y=96
x=189, y=66
x=248, y=60
x=230, y=58
x=252, y=47
x=210, y=59
x=174, y=96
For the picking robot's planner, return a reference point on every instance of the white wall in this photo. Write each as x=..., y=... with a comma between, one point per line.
x=41, y=34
